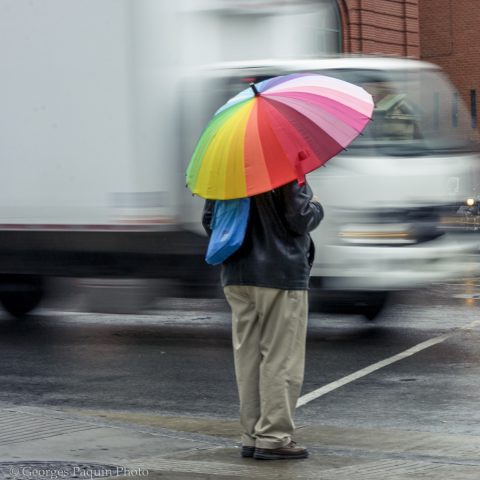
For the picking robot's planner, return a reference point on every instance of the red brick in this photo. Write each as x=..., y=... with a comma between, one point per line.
x=384, y=6
x=413, y=51
x=411, y=11
x=381, y=26
x=413, y=38
x=385, y=21
x=383, y=48
x=381, y=35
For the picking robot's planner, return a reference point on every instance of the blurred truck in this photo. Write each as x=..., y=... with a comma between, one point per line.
x=101, y=108
x=92, y=185
x=91, y=181
x=391, y=199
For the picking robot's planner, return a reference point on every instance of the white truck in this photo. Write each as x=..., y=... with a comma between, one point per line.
x=100, y=114
x=91, y=152
x=91, y=181
x=391, y=199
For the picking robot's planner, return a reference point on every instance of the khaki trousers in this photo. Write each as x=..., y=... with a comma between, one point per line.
x=269, y=334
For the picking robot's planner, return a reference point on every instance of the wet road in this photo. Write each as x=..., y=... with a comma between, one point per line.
x=176, y=360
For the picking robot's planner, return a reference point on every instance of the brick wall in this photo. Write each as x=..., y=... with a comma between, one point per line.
x=450, y=37
x=388, y=27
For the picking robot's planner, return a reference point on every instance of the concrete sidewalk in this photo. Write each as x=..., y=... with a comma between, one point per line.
x=44, y=443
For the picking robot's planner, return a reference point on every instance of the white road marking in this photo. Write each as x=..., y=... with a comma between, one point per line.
x=319, y=392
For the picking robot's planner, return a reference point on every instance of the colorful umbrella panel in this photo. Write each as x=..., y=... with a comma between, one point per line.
x=275, y=132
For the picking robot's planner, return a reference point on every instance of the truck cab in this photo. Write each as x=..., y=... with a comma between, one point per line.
x=391, y=198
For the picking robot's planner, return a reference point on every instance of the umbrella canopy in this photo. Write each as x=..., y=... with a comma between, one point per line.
x=275, y=132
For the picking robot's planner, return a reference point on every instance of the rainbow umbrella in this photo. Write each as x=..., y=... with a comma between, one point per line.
x=274, y=132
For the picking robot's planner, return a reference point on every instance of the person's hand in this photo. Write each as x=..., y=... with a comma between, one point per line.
x=315, y=199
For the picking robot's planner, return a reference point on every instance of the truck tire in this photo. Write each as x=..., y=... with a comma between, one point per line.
x=367, y=304
x=20, y=294
x=375, y=303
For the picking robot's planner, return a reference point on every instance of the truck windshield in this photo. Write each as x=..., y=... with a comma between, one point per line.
x=416, y=112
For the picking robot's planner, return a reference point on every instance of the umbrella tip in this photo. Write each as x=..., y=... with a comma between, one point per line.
x=254, y=88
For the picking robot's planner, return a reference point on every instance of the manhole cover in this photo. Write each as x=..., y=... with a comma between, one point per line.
x=57, y=470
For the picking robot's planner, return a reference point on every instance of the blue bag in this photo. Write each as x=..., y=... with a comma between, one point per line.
x=229, y=223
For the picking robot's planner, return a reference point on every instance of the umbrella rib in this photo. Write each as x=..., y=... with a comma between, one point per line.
x=324, y=120
x=333, y=107
x=319, y=140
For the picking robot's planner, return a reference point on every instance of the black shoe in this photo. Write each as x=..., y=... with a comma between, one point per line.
x=290, y=451
x=247, y=451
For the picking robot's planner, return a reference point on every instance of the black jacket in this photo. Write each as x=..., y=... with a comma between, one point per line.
x=277, y=251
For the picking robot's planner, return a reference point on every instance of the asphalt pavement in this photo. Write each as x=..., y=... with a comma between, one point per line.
x=153, y=396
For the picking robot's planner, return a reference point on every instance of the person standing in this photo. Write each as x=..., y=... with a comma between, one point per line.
x=266, y=285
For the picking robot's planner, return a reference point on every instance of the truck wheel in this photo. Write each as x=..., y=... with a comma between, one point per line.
x=367, y=304
x=374, y=305
x=20, y=294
